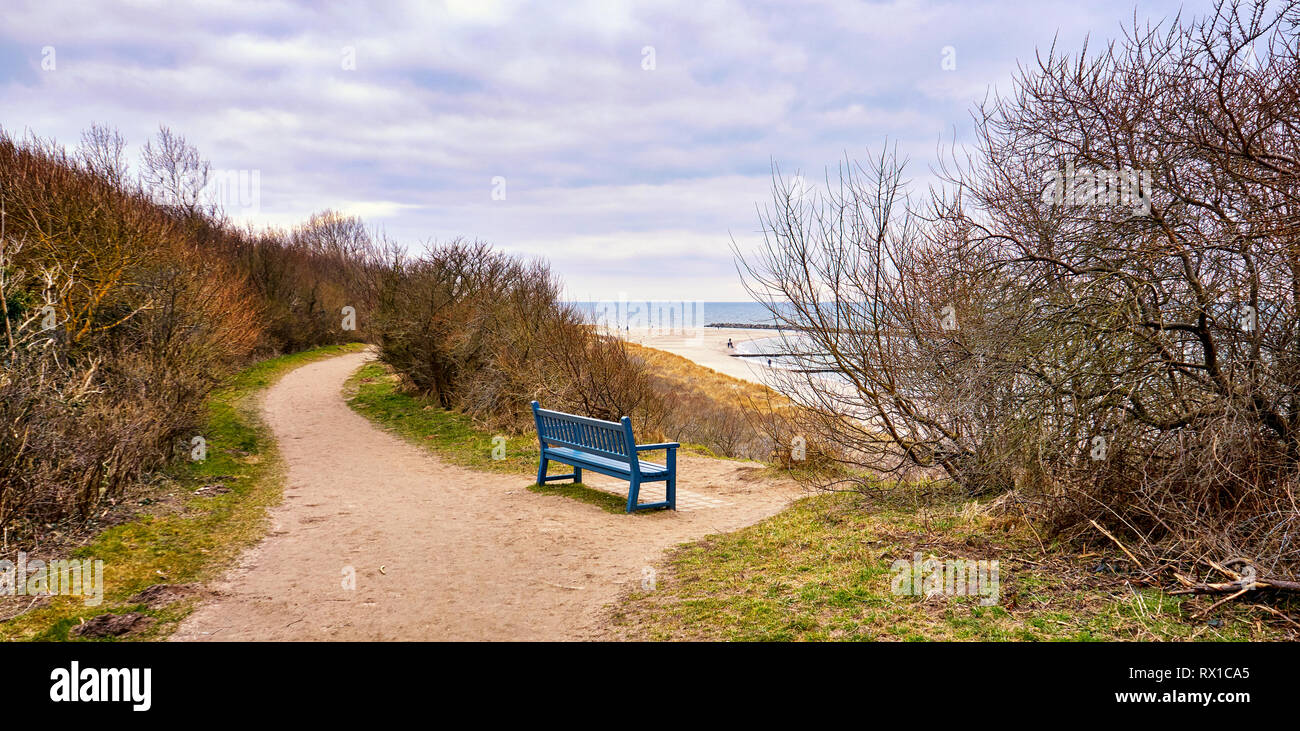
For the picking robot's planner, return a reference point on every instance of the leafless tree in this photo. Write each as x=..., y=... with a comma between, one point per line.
x=1118, y=263
x=103, y=152
x=889, y=375
x=175, y=172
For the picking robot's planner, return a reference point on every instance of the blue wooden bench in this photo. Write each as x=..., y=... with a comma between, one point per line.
x=607, y=447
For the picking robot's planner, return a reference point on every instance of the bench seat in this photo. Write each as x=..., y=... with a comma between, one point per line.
x=649, y=470
x=607, y=447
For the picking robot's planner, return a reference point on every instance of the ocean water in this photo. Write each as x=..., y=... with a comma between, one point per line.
x=785, y=350
x=673, y=313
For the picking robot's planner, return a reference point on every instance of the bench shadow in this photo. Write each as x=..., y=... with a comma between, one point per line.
x=607, y=501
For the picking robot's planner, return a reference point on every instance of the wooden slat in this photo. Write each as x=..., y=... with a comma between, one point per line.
x=604, y=437
x=607, y=445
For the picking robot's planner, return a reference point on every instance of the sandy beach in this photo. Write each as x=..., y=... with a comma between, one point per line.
x=708, y=347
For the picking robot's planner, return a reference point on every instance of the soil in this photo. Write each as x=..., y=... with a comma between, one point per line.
x=113, y=625
x=377, y=539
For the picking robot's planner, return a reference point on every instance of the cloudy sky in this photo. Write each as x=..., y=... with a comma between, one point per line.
x=626, y=142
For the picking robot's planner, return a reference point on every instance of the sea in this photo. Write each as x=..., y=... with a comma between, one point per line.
x=775, y=349
x=674, y=313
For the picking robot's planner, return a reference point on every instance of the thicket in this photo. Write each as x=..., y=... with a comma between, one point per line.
x=128, y=295
x=1095, y=315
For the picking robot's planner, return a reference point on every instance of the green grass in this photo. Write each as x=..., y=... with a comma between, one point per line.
x=822, y=571
x=202, y=536
x=606, y=501
x=374, y=392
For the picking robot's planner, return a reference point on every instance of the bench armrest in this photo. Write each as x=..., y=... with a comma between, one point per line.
x=665, y=445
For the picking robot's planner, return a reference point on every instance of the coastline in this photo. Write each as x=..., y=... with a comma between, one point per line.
x=707, y=346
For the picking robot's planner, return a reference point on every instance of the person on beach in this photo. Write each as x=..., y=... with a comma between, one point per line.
x=729, y=345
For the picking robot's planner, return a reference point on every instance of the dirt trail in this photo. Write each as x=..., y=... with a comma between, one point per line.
x=441, y=552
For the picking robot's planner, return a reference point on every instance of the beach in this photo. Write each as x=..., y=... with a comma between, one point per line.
x=708, y=347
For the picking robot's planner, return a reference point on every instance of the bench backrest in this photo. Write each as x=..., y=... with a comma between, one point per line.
x=607, y=438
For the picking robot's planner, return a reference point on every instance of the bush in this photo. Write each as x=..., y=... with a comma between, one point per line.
x=116, y=326
x=126, y=301
x=486, y=333
x=1124, y=362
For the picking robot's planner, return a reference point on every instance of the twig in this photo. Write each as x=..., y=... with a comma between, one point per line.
x=1142, y=605
x=1225, y=571
x=1222, y=601
x=1226, y=586
x=1030, y=523
x=1116, y=540
x=22, y=611
x=1276, y=613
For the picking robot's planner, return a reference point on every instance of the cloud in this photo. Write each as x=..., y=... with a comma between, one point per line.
x=629, y=179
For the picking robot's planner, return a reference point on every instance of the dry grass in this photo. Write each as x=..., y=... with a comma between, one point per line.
x=174, y=532
x=684, y=373
x=711, y=411
x=822, y=571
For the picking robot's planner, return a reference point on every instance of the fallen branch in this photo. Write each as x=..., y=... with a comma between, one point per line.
x=1127, y=552
x=1192, y=587
x=1277, y=613
x=1222, y=601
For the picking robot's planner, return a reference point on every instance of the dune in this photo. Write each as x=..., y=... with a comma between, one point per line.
x=707, y=346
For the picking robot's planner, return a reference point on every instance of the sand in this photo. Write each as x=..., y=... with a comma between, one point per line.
x=708, y=347
x=440, y=552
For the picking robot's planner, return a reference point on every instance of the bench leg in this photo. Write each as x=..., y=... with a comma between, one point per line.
x=670, y=489
x=577, y=475
x=633, y=490
x=541, y=472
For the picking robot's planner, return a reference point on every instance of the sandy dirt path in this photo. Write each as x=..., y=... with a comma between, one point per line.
x=441, y=552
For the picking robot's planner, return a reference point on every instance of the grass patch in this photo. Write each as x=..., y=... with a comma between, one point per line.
x=201, y=536
x=606, y=501
x=376, y=393
x=822, y=570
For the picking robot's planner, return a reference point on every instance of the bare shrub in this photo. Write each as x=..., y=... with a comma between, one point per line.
x=486, y=333
x=895, y=379
x=116, y=326
x=306, y=276
x=1129, y=362
x=1159, y=362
